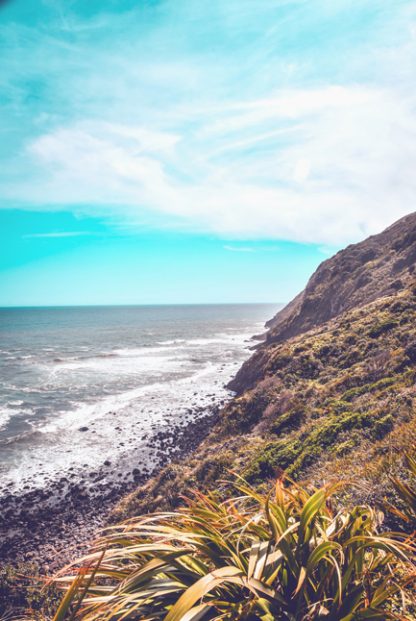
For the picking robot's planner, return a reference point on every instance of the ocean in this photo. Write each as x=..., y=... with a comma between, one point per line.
x=84, y=386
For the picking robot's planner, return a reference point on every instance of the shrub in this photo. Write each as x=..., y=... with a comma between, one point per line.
x=382, y=327
x=212, y=469
x=383, y=426
x=295, y=454
x=385, y=382
x=289, y=421
x=273, y=458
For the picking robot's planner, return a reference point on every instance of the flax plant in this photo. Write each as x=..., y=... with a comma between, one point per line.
x=287, y=556
x=406, y=490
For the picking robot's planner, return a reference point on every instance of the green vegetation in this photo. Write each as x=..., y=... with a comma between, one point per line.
x=291, y=555
x=294, y=455
x=287, y=422
x=351, y=394
x=331, y=403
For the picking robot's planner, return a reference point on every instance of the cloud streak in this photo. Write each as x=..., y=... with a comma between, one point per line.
x=238, y=248
x=58, y=235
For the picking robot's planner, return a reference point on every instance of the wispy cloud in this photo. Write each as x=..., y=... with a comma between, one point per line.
x=248, y=122
x=58, y=234
x=239, y=248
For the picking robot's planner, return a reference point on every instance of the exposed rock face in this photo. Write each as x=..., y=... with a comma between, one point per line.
x=379, y=266
x=376, y=267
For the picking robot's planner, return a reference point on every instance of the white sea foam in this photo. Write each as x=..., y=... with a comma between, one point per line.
x=129, y=352
x=88, y=413
x=168, y=356
x=113, y=422
x=5, y=415
x=130, y=363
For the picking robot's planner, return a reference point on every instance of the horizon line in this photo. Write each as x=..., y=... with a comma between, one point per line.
x=130, y=305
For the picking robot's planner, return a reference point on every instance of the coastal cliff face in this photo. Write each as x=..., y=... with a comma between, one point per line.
x=330, y=393
x=379, y=266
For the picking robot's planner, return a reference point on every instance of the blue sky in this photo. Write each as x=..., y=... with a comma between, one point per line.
x=197, y=151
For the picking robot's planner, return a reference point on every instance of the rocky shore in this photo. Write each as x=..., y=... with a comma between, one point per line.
x=52, y=525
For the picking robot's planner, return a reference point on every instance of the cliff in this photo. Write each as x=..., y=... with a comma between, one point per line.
x=379, y=266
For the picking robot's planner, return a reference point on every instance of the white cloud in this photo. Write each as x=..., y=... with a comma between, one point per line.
x=295, y=121
x=334, y=166
x=302, y=170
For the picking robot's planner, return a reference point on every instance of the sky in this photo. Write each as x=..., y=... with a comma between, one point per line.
x=197, y=151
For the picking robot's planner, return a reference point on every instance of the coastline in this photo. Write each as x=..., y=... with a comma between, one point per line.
x=52, y=526
x=66, y=488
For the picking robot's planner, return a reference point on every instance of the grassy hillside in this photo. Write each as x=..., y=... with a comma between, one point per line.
x=335, y=402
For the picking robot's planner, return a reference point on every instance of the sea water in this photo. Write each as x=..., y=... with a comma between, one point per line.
x=79, y=386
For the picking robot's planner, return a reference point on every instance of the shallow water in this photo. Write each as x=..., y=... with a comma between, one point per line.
x=122, y=372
